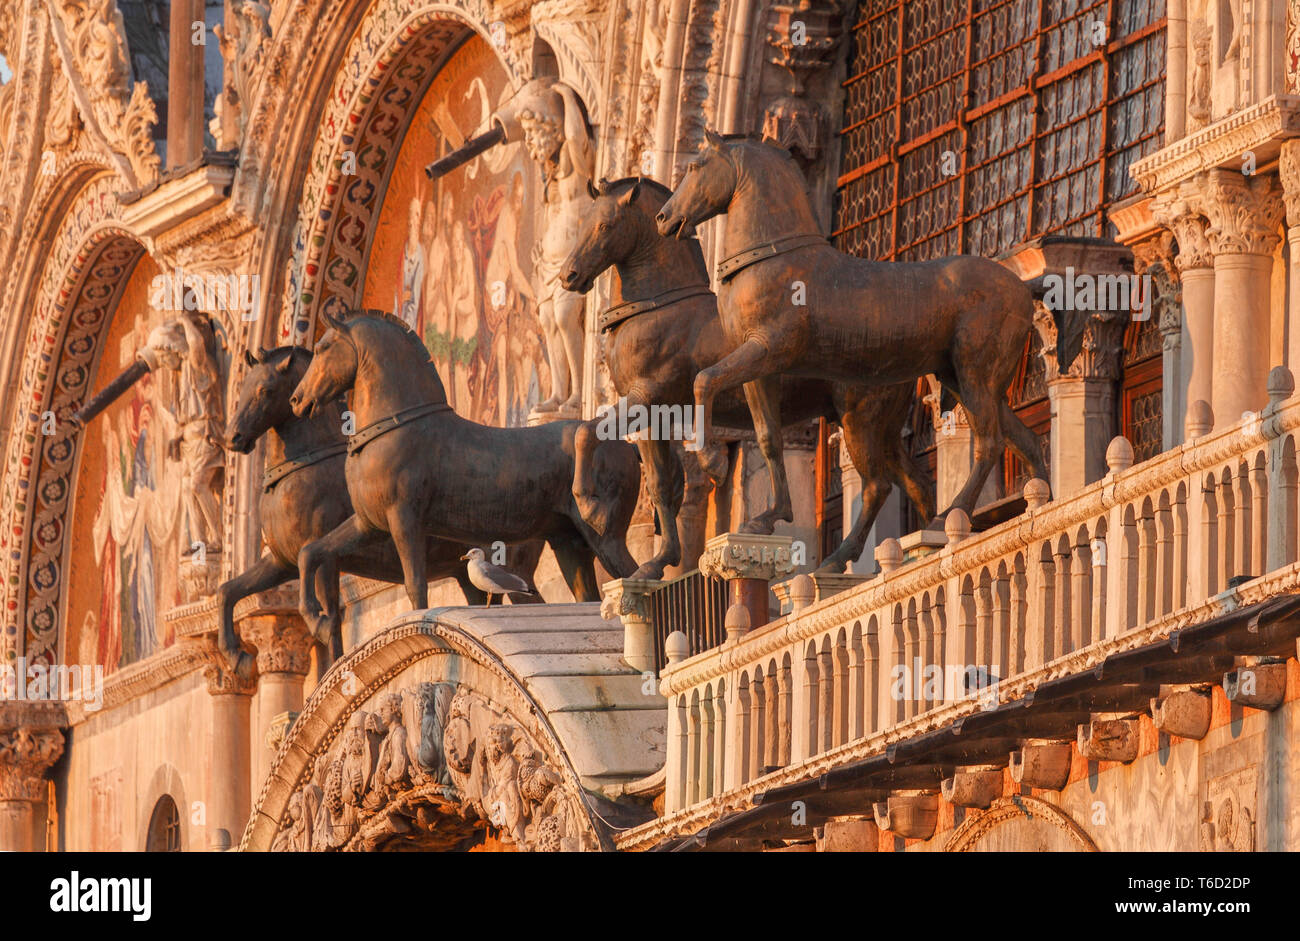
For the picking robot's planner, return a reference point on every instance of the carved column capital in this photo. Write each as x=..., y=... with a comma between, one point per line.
x=282, y=641
x=1101, y=354
x=738, y=555
x=31, y=740
x=1244, y=212
x=222, y=681
x=1288, y=171
x=1180, y=213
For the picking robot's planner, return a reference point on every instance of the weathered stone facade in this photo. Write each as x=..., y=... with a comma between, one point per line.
x=272, y=172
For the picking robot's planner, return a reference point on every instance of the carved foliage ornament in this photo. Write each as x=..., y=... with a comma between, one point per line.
x=25, y=755
x=91, y=38
x=430, y=768
x=1244, y=213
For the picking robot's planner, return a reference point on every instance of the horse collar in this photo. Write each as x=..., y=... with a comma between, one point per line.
x=282, y=470
x=620, y=312
x=385, y=425
x=730, y=266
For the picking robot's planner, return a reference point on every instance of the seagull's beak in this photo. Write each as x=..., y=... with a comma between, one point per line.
x=465, y=557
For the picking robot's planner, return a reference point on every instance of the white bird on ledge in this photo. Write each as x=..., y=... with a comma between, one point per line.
x=492, y=579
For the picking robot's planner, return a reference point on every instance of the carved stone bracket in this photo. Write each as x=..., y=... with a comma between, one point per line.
x=1041, y=763
x=913, y=815
x=1183, y=711
x=31, y=740
x=1109, y=738
x=973, y=786
x=1258, y=682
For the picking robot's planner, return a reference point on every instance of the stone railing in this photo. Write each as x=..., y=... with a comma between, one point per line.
x=988, y=616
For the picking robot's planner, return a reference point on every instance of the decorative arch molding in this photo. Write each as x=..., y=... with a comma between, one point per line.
x=342, y=720
x=166, y=782
x=72, y=298
x=389, y=64
x=1017, y=809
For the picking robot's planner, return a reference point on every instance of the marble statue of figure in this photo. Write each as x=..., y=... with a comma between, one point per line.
x=185, y=345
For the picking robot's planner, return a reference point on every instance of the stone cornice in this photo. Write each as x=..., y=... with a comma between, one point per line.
x=1259, y=129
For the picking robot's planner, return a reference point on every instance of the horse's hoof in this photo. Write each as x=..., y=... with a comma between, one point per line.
x=650, y=571
x=244, y=665
x=833, y=566
x=320, y=629
x=758, y=526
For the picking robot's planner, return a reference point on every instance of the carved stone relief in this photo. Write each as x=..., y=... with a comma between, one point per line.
x=1229, y=819
x=433, y=766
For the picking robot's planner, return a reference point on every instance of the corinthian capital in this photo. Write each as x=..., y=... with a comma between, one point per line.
x=1244, y=212
x=1288, y=170
x=282, y=642
x=1179, y=212
x=30, y=742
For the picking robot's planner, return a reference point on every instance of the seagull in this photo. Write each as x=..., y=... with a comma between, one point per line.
x=492, y=579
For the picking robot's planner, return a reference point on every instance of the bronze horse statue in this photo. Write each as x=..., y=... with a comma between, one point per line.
x=794, y=305
x=415, y=468
x=663, y=329
x=305, y=496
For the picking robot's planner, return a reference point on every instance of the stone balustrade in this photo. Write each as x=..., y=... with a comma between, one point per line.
x=1148, y=549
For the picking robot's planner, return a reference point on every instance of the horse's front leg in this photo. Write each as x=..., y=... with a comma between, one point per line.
x=664, y=480
x=407, y=529
x=347, y=538
x=265, y=573
x=745, y=363
x=764, y=397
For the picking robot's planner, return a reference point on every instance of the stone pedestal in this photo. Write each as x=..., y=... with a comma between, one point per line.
x=283, y=661
x=748, y=564
x=228, y=803
x=628, y=599
x=31, y=741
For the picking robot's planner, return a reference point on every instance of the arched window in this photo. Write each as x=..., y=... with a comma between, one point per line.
x=164, y=827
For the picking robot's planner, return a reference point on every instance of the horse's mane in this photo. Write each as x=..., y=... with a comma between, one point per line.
x=619, y=187
x=408, y=334
x=274, y=356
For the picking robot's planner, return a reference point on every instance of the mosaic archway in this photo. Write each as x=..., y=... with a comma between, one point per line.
x=390, y=63
x=90, y=258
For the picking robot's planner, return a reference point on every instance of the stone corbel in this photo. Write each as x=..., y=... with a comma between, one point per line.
x=1258, y=682
x=913, y=815
x=1183, y=711
x=1041, y=763
x=1108, y=737
x=973, y=786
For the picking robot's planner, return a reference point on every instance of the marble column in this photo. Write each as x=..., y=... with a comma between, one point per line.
x=1289, y=174
x=229, y=802
x=1179, y=213
x=1244, y=214
x=283, y=661
x=185, y=85
x=748, y=564
x=31, y=741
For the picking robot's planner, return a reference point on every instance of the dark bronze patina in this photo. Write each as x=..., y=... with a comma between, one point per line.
x=435, y=473
x=794, y=305
x=663, y=329
x=305, y=496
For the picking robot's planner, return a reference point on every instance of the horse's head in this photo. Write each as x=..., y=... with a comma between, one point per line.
x=704, y=192
x=609, y=233
x=332, y=372
x=264, y=394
